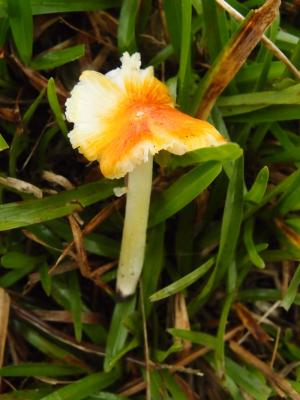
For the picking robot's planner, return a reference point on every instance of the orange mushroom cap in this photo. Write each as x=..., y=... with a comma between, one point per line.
x=122, y=117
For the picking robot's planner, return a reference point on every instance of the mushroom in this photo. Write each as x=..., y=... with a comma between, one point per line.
x=121, y=119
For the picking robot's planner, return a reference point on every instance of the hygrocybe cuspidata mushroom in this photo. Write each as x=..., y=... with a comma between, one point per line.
x=122, y=119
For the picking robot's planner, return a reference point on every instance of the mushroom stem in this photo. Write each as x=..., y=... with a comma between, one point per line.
x=135, y=228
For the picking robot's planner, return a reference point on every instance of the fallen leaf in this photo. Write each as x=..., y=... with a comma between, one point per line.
x=234, y=54
x=182, y=320
x=250, y=323
x=4, y=315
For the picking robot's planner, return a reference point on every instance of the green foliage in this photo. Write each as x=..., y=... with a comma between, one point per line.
x=56, y=58
x=21, y=25
x=118, y=332
x=127, y=24
x=182, y=283
x=55, y=107
x=184, y=190
x=14, y=215
x=83, y=387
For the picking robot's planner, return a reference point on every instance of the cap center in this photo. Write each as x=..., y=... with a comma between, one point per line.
x=139, y=114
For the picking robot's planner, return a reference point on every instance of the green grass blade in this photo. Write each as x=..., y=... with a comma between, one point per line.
x=225, y=152
x=232, y=218
x=282, y=112
x=203, y=339
x=158, y=390
x=46, y=279
x=267, y=56
x=264, y=294
x=55, y=107
x=183, y=282
x=15, y=275
x=127, y=26
x=75, y=303
x=46, y=346
x=211, y=26
x=162, y=355
x=33, y=107
x=172, y=10
x=183, y=191
x=4, y=25
x=161, y=56
x=21, y=24
x=20, y=214
x=118, y=332
x=154, y=260
x=60, y=6
x=290, y=202
x=250, y=246
x=16, y=148
x=19, y=260
x=259, y=187
x=248, y=380
x=55, y=58
x=290, y=95
x=39, y=369
x=35, y=394
x=292, y=291
x=286, y=187
x=295, y=58
x=230, y=230
x=220, y=342
x=94, y=243
x=84, y=387
x=3, y=144
x=196, y=303
x=249, y=74
x=185, y=55
x=44, y=145
x=174, y=388
x=184, y=244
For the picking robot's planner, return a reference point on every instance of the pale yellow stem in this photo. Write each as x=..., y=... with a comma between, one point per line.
x=135, y=228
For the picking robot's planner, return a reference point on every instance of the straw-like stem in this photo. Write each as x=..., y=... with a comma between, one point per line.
x=135, y=228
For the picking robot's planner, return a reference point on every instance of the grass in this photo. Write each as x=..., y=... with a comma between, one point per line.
x=216, y=314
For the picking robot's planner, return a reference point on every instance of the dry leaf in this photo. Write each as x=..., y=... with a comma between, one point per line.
x=4, y=314
x=9, y=114
x=235, y=54
x=65, y=317
x=182, y=320
x=250, y=323
x=288, y=232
